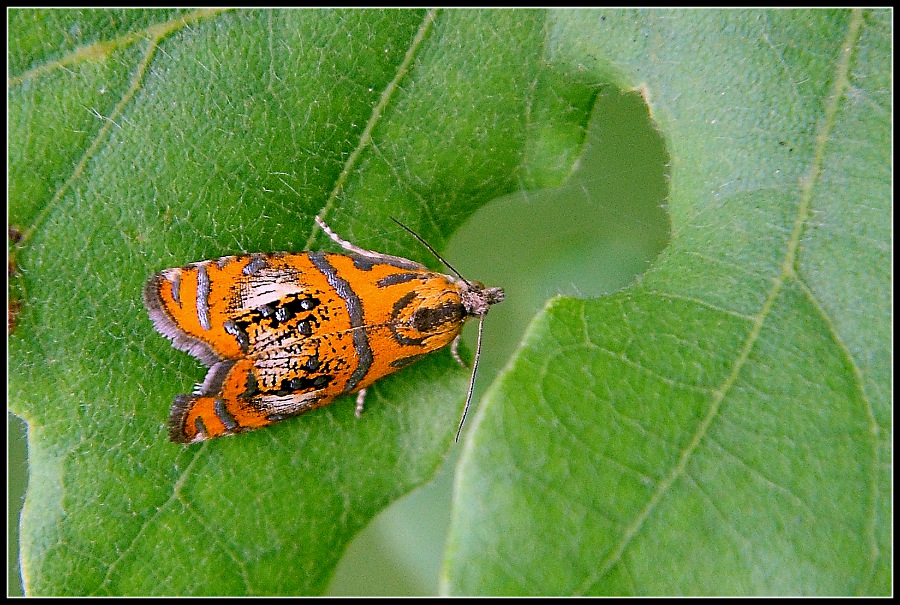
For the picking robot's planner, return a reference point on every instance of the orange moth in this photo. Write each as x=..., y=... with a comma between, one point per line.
x=288, y=332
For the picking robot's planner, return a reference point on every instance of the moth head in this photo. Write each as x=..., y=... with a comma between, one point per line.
x=477, y=298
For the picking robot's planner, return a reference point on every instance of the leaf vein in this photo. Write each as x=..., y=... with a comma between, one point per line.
x=173, y=497
x=365, y=138
x=158, y=33
x=787, y=271
x=239, y=561
x=101, y=49
x=699, y=302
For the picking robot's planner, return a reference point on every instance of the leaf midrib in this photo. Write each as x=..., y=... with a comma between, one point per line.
x=364, y=141
x=154, y=35
x=365, y=138
x=788, y=271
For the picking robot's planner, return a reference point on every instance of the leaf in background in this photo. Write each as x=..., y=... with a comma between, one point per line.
x=722, y=427
x=141, y=140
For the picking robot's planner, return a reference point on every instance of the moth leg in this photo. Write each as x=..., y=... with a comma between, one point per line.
x=454, y=348
x=342, y=242
x=387, y=258
x=360, y=402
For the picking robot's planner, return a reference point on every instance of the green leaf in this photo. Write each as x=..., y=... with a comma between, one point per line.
x=141, y=140
x=723, y=426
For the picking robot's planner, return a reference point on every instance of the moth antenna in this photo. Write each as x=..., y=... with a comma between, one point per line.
x=433, y=251
x=472, y=379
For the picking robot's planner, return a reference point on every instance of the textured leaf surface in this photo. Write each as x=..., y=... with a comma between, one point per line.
x=722, y=427
x=141, y=140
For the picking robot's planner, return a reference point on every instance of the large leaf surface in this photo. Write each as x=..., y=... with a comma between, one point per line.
x=724, y=425
x=141, y=140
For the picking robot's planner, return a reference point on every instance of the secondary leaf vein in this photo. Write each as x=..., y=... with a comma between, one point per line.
x=365, y=139
x=787, y=271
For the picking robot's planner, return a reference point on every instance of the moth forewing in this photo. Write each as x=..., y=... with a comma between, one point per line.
x=285, y=333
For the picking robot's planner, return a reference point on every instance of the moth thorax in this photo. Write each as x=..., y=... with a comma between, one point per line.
x=477, y=299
